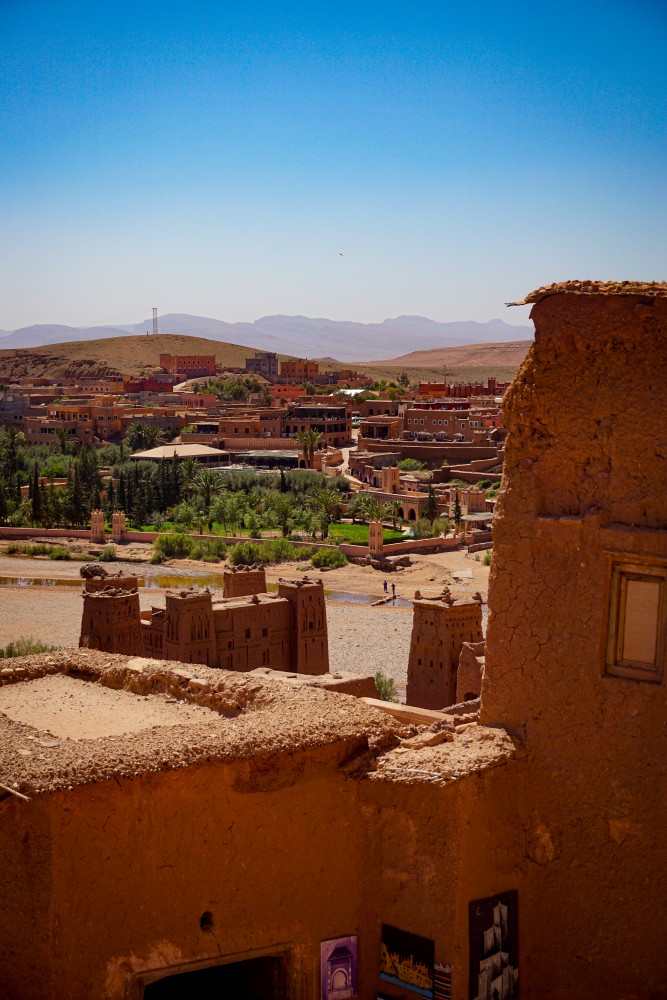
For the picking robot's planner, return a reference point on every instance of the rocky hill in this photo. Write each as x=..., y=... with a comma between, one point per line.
x=112, y=356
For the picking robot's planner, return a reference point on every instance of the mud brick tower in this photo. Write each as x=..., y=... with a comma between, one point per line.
x=309, y=653
x=439, y=628
x=189, y=628
x=111, y=618
x=243, y=581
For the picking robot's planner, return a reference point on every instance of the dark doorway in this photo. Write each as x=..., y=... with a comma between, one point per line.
x=254, y=979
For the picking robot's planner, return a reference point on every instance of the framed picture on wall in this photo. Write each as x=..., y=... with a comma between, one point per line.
x=338, y=968
x=407, y=960
x=494, y=947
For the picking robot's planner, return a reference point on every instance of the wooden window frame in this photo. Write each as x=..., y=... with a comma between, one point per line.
x=615, y=665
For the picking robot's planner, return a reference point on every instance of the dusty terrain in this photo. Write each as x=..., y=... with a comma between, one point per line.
x=492, y=356
x=362, y=639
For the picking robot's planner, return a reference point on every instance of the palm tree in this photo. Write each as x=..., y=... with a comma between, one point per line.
x=309, y=441
x=283, y=509
x=188, y=470
x=207, y=483
x=11, y=440
x=394, y=509
x=62, y=434
x=327, y=504
x=374, y=510
x=355, y=508
x=141, y=435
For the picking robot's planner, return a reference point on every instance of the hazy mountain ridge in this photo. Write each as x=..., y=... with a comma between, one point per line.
x=303, y=336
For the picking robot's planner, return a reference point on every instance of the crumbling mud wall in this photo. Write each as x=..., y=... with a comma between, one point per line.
x=582, y=506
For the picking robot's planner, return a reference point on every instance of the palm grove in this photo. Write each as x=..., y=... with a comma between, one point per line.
x=178, y=494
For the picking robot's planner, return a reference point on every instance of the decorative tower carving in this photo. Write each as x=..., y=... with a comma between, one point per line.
x=117, y=526
x=97, y=527
x=375, y=538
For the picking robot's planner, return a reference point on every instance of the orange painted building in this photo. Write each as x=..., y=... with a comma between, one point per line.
x=299, y=369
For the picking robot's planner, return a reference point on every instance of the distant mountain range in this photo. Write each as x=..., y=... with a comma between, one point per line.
x=302, y=336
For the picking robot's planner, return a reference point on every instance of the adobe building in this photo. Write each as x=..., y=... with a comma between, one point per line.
x=286, y=631
x=440, y=627
x=172, y=830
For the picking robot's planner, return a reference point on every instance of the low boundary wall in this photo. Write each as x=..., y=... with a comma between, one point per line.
x=404, y=548
x=138, y=536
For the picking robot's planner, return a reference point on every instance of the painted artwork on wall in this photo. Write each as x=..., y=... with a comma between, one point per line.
x=338, y=968
x=442, y=982
x=407, y=960
x=494, y=947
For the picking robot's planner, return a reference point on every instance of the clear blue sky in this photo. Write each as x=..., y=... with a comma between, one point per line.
x=217, y=157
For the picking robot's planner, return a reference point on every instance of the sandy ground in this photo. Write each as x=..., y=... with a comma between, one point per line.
x=362, y=639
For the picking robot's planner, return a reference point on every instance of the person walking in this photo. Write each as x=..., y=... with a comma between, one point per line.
x=385, y=586
x=393, y=590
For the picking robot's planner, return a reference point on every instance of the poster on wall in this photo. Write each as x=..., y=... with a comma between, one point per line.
x=407, y=960
x=338, y=968
x=442, y=982
x=494, y=947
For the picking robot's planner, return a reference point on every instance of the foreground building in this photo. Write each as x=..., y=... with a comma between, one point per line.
x=195, y=832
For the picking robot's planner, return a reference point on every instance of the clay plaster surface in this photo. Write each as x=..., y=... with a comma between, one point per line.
x=239, y=717
x=76, y=710
x=167, y=715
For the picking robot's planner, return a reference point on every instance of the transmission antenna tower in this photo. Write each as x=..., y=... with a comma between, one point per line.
x=155, y=320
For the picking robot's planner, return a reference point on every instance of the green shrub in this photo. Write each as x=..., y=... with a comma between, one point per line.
x=245, y=554
x=411, y=465
x=386, y=687
x=20, y=548
x=24, y=647
x=208, y=550
x=424, y=529
x=487, y=557
x=279, y=550
x=108, y=554
x=173, y=546
x=59, y=554
x=328, y=558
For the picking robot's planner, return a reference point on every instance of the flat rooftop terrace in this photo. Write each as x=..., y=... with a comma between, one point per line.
x=76, y=717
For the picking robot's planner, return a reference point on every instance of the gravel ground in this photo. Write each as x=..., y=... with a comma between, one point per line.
x=363, y=640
